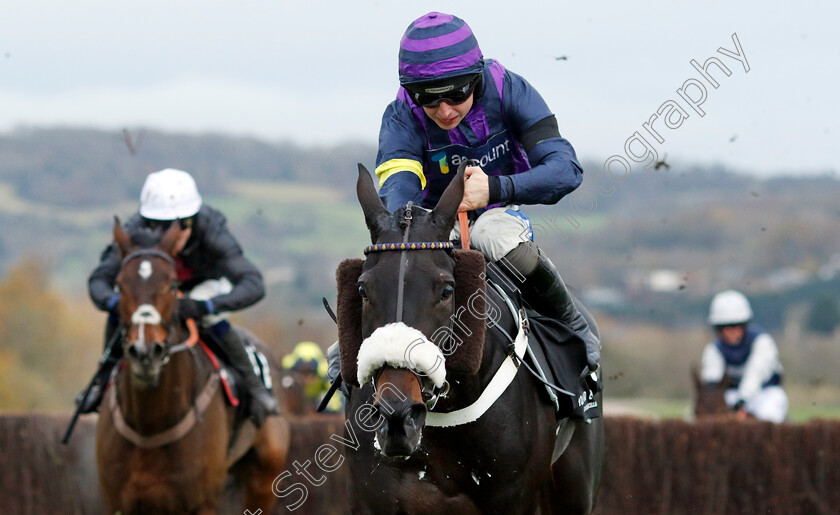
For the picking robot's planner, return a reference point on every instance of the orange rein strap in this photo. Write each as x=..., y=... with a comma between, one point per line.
x=192, y=339
x=465, y=231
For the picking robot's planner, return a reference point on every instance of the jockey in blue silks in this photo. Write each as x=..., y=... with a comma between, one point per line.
x=747, y=356
x=454, y=106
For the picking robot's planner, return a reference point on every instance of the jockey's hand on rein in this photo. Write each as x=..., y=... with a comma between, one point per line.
x=476, y=189
x=191, y=308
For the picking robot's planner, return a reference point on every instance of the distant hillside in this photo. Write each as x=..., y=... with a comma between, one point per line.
x=73, y=167
x=665, y=238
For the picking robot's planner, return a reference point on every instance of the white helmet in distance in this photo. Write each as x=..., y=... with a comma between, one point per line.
x=730, y=307
x=169, y=195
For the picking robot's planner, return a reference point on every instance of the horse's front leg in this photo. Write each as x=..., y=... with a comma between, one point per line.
x=264, y=464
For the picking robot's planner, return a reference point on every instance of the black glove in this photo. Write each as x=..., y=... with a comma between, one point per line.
x=191, y=308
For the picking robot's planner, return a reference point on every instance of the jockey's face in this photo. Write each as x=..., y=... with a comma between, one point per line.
x=448, y=116
x=731, y=334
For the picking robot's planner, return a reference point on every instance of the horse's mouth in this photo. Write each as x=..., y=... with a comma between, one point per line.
x=395, y=447
x=399, y=440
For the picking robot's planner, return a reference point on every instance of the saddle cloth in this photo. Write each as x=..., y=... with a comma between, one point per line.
x=232, y=381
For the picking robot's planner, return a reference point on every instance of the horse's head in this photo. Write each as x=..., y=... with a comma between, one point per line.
x=408, y=308
x=148, y=286
x=709, y=398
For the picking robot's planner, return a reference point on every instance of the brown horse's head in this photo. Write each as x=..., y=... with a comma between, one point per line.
x=407, y=299
x=709, y=398
x=148, y=287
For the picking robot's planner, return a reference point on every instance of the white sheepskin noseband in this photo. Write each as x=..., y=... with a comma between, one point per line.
x=401, y=346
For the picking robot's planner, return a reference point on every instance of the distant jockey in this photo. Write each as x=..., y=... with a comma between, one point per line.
x=747, y=356
x=212, y=271
x=308, y=359
x=455, y=106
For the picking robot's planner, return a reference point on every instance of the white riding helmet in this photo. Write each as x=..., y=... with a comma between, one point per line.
x=730, y=307
x=169, y=195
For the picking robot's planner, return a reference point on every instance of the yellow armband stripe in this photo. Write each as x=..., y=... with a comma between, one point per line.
x=389, y=168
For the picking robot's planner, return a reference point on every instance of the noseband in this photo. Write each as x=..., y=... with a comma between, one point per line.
x=430, y=394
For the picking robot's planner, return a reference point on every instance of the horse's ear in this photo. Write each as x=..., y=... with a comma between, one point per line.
x=446, y=210
x=174, y=239
x=372, y=206
x=121, y=238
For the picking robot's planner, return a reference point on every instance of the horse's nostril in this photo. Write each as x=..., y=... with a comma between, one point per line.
x=157, y=350
x=417, y=416
x=132, y=351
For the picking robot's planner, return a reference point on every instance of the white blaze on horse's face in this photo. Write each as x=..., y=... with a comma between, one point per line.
x=145, y=270
x=145, y=314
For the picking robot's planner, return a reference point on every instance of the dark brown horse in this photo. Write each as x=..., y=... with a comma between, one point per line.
x=165, y=436
x=428, y=433
x=709, y=401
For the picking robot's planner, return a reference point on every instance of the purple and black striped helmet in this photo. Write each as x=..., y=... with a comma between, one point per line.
x=437, y=46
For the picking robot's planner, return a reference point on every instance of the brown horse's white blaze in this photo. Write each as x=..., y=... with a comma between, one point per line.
x=402, y=361
x=147, y=351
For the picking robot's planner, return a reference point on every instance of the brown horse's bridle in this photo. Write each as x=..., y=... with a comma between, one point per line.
x=192, y=339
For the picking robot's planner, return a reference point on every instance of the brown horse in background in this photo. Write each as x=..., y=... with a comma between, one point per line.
x=166, y=437
x=709, y=402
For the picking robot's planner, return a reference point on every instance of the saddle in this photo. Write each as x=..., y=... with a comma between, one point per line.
x=236, y=393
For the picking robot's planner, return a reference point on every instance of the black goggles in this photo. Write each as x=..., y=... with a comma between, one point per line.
x=163, y=225
x=727, y=326
x=431, y=95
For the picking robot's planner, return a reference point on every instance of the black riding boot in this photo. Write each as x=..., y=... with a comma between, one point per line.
x=263, y=402
x=545, y=291
x=91, y=402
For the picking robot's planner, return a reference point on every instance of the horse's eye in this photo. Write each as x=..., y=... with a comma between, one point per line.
x=447, y=292
x=363, y=291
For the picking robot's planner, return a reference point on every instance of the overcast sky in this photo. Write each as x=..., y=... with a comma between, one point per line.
x=321, y=72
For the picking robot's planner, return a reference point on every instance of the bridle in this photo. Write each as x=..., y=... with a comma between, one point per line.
x=431, y=394
x=200, y=401
x=149, y=315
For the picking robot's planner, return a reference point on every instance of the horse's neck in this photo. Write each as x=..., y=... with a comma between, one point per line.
x=150, y=409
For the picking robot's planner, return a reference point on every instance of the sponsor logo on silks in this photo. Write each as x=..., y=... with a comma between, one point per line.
x=495, y=152
x=440, y=157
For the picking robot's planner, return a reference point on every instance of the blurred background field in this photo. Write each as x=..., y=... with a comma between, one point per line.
x=646, y=258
